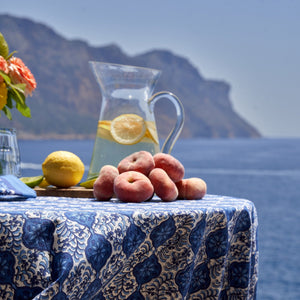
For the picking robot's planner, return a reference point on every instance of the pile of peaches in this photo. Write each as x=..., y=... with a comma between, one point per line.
x=140, y=175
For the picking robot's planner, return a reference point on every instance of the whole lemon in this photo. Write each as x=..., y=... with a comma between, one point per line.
x=63, y=169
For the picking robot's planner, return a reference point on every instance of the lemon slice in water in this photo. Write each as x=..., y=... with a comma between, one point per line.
x=128, y=129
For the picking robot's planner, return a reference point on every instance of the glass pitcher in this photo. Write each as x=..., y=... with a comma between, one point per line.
x=126, y=122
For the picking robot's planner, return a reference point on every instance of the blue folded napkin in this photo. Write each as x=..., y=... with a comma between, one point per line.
x=12, y=188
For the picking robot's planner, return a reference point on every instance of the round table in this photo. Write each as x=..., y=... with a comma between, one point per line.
x=77, y=248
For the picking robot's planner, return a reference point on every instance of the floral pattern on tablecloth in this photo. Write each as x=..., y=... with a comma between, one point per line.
x=63, y=248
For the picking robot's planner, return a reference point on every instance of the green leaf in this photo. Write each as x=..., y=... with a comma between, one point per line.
x=7, y=113
x=5, y=77
x=18, y=96
x=24, y=110
x=4, y=50
x=20, y=87
x=10, y=55
x=9, y=102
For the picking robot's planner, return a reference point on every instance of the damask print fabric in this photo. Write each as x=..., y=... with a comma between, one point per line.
x=64, y=248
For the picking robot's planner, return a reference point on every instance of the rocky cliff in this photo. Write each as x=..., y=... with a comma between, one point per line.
x=67, y=100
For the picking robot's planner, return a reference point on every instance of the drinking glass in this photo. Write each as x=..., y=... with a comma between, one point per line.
x=10, y=163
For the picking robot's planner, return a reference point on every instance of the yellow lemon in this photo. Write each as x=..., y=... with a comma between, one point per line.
x=128, y=129
x=63, y=169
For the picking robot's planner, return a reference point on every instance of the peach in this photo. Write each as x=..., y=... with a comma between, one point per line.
x=191, y=188
x=133, y=186
x=104, y=184
x=170, y=164
x=164, y=187
x=141, y=161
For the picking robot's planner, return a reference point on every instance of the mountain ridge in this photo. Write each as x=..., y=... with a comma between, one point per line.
x=66, y=103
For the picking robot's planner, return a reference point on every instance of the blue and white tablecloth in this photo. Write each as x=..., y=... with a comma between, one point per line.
x=64, y=248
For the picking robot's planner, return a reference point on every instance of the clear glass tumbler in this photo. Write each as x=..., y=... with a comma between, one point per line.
x=10, y=163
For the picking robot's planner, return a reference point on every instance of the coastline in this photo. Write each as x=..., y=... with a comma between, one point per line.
x=54, y=136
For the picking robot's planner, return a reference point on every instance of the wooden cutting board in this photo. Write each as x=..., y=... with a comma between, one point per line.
x=72, y=192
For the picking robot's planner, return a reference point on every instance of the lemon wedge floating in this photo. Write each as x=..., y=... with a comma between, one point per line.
x=32, y=181
x=128, y=129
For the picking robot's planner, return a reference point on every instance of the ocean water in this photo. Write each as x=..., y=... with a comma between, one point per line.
x=265, y=171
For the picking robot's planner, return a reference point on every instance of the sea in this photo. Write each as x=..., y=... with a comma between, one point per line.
x=265, y=171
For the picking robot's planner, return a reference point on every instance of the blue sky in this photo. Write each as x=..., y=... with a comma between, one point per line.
x=253, y=45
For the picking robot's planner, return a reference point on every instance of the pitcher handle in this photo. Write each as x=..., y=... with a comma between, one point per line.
x=174, y=134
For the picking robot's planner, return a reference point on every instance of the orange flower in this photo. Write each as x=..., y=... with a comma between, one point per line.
x=3, y=66
x=19, y=73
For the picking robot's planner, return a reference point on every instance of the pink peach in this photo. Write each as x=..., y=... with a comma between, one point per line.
x=191, y=188
x=132, y=186
x=164, y=187
x=170, y=164
x=104, y=184
x=141, y=161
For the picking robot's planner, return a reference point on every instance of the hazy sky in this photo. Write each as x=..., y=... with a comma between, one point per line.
x=253, y=45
